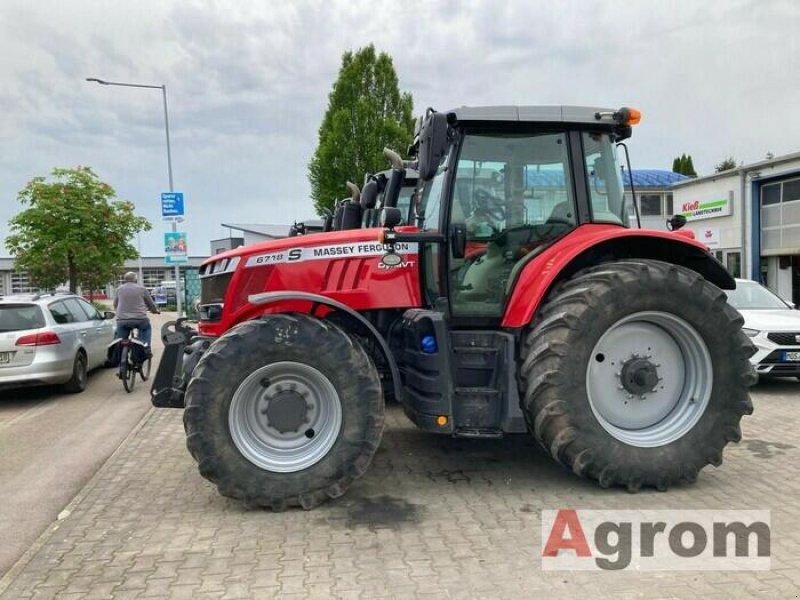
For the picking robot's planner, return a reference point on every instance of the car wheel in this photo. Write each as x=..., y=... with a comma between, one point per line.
x=77, y=382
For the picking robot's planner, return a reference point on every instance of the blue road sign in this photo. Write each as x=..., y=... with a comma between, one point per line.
x=172, y=205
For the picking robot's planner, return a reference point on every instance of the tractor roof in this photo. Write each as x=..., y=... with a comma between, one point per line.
x=537, y=114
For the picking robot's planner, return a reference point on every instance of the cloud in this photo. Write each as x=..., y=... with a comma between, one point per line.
x=248, y=84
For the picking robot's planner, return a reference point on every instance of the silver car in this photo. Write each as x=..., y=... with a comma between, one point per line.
x=51, y=339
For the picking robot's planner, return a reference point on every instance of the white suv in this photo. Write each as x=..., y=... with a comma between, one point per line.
x=51, y=339
x=773, y=325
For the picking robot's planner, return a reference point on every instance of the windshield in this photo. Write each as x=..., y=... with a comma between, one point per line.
x=605, y=181
x=19, y=317
x=749, y=295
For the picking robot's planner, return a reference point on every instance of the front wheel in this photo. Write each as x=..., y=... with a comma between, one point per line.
x=144, y=369
x=284, y=411
x=636, y=373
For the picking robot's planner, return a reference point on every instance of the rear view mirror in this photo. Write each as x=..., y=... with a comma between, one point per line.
x=432, y=144
x=676, y=222
x=109, y=314
x=393, y=186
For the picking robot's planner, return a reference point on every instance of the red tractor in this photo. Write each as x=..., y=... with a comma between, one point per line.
x=521, y=300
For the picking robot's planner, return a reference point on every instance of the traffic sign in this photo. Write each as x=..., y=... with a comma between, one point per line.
x=172, y=208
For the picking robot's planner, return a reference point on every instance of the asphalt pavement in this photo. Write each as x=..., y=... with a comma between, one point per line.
x=53, y=442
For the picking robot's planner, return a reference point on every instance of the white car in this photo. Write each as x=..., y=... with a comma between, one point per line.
x=774, y=326
x=51, y=339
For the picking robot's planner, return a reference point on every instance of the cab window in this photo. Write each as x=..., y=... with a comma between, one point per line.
x=514, y=195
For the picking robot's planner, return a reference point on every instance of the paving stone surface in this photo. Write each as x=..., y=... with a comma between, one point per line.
x=433, y=518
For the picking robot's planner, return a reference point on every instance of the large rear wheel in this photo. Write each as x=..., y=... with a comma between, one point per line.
x=636, y=373
x=284, y=411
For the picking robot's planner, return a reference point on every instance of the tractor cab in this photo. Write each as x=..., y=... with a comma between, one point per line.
x=501, y=184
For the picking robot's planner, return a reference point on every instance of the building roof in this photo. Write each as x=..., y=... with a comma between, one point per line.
x=268, y=230
x=761, y=164
x=654, y=178
x=642, y=178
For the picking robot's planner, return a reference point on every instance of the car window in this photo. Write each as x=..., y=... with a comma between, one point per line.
x=18, y=317
x=61, y=313
x=90, y=310
x=752, y=296
x=78, y=314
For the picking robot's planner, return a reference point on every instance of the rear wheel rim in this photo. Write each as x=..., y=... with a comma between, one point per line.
x=285, y=417
x=649, y=379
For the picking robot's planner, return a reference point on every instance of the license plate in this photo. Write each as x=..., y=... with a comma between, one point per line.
x=5, y=357
x=791, y=357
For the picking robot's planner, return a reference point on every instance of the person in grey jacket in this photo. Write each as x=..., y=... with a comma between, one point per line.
x=132, y=302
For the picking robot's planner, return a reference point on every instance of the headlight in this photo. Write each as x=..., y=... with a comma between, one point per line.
x=750, y=332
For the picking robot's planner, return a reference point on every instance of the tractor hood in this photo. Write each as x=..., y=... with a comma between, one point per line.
x=344, y=266
x=329, y=238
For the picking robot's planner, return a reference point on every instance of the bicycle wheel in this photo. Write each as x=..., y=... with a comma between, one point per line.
x=144, y=369
x=128, y=371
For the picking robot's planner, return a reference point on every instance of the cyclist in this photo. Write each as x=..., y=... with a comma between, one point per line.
x=132, y=302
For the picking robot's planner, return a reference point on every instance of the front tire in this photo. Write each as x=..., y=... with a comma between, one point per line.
x=284, y=411
x=636, y=373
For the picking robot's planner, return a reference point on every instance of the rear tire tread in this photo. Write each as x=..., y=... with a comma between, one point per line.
x=545, y=350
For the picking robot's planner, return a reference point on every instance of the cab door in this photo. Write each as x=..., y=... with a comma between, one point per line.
x=513, y=194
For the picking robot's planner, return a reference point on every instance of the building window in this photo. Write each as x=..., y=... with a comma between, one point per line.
x=770, y=194
x=734, y=263
x=791, y=190
x=650, y=205
x=21, y=284
x=669, y=212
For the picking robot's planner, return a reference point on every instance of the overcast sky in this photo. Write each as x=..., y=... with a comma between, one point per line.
x=248, y=82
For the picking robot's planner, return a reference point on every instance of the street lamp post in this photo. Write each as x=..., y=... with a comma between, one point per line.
x=163, y=88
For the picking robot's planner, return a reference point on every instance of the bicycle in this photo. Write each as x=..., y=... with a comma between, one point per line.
x=133, y=359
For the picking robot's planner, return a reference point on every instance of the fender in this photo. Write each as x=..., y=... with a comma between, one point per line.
x=592, y=244
x=276, y=297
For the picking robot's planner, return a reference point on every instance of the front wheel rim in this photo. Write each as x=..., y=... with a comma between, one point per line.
x=649, y=379
x=285, y=417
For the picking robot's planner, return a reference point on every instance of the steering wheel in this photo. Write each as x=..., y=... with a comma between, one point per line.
x=486, y=203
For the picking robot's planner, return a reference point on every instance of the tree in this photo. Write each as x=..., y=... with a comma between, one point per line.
x=684, y=165
x=366, y=112
x=73, y=230
x=725, y=165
